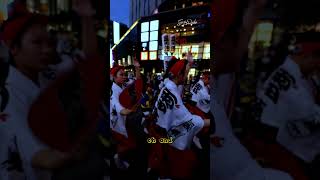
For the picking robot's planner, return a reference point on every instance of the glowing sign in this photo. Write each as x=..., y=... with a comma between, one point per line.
x=182, y=22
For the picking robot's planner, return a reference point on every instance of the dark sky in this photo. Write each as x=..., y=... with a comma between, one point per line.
x=119, y=11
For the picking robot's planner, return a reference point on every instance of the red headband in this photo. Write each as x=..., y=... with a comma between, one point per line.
x=14, y=27
x=115, y=69
x=177, y=67
x=309, y=47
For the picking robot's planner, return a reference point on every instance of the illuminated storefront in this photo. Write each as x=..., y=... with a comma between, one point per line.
x=161, y=37
x=155, y=39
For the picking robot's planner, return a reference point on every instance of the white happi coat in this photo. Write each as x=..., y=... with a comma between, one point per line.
x=287, y=103
x=117, y=121
x=173, y=116
x=15, y=135
x=232, y=161
x=200, y=95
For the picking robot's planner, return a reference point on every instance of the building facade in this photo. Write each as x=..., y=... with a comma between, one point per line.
x=142, y=8
x=156, y=39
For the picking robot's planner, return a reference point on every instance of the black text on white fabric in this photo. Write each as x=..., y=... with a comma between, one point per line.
x=166, y=101
x=280, y=81
x=180, y=130
x=197, y=88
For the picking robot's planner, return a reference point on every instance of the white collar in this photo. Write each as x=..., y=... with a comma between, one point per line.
x=171, y=85
x=22, y=83
x=115, y=86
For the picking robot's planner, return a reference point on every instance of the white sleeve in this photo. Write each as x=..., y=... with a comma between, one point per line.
x=183, y=114
x=204, y=96
x=117, y=105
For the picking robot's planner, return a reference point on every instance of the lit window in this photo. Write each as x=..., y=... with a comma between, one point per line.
x=144, y=26
x=153, y=46
x=144, y=55
x=264, y=33
x=153, y=55
x=154, y=25
x=145, y=37
x=207, y=48
x=206, y=55
x=144, y=45
x=153, y=35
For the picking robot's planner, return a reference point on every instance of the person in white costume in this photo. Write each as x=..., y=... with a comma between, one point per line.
x=172, y=115
x=22, y=155
x=229, y=159
x=200, y=93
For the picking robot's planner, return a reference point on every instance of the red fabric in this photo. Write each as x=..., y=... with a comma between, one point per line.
x=177, y=67
x=223, y=14
x=124, y=145
x=115, y=69
x=47, y=118
x=168, y=161
x=125, y=98
x=14, y=27
x=309, y=47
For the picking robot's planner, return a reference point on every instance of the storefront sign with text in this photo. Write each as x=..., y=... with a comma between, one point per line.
x=186, y=22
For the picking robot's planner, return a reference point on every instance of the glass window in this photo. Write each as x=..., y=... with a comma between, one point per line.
x=154, y=25
x=144, y=26
x=206, y=55
x=153, y=35
x=153, y=55
x=145, y=37
x=207, y=48
x=153, y=46
x=144, y=55
x=144, y=45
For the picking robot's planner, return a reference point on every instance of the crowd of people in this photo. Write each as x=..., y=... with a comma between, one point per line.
x=163, y=108
x=62, y=118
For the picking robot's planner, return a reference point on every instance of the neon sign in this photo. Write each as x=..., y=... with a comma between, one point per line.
x=182, y=22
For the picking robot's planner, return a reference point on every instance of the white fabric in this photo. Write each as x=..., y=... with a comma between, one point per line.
x=117, y=121
x=232, y=161
x=200, y=95
x=172, y=114
x=295, y=103
x=295, y=113
x=16, y=136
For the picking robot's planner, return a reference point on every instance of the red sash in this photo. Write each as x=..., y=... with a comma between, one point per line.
x=169, y=161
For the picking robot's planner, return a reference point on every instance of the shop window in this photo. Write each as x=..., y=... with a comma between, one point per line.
x=153, y=55
x=144, y=56
x=206, y=56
